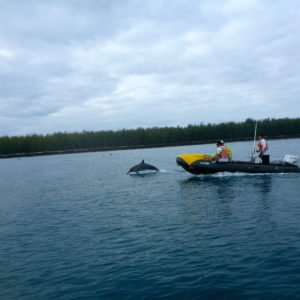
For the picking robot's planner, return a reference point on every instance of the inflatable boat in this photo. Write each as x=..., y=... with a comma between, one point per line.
x=204, y=164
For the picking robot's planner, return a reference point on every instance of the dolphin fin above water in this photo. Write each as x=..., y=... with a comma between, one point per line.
x=142, y=167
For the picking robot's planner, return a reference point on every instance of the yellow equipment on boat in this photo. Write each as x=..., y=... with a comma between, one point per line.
x=190, y=158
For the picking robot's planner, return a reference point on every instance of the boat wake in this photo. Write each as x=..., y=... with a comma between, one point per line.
x=232, y=175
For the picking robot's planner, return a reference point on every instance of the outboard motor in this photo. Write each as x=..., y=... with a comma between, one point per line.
x=291, y=159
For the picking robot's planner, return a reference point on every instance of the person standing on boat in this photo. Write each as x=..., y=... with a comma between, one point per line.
x=263, y=149
x=223, y=153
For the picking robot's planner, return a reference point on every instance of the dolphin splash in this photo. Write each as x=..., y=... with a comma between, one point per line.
x=142, y=167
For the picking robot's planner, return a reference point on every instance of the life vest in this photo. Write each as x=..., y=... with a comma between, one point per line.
x=224, y=153
x=263, y=146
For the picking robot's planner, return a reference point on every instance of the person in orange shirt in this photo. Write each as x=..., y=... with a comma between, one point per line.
x=263, y=149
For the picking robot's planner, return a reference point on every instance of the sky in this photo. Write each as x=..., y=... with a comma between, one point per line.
x=70, y=65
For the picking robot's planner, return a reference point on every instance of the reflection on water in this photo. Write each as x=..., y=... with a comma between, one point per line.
x=208, y=195
x=225, y=185
x=266, y=185
x=266, y=200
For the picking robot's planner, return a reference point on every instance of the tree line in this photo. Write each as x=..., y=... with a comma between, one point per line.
x=158, y=136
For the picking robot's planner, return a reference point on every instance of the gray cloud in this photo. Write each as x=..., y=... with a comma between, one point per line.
x=97, y=65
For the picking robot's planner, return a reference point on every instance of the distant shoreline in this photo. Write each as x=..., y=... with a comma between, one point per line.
x=162, y=145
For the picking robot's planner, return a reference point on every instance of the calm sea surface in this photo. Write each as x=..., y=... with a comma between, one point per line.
x=77, y=226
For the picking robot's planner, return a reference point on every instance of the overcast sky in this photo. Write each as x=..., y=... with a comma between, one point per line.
x=113, y=64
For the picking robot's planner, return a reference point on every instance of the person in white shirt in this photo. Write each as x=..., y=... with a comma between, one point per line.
x=263, y=149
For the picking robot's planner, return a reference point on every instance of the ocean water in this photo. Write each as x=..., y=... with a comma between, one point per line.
x=76, y=226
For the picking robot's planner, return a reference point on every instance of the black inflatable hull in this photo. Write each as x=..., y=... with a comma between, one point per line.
x=210, y=167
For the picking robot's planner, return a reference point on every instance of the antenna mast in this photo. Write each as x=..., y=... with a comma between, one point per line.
x=254, y=158
x=254, y=136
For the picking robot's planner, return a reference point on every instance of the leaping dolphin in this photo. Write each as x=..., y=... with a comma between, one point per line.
x=142, y=167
